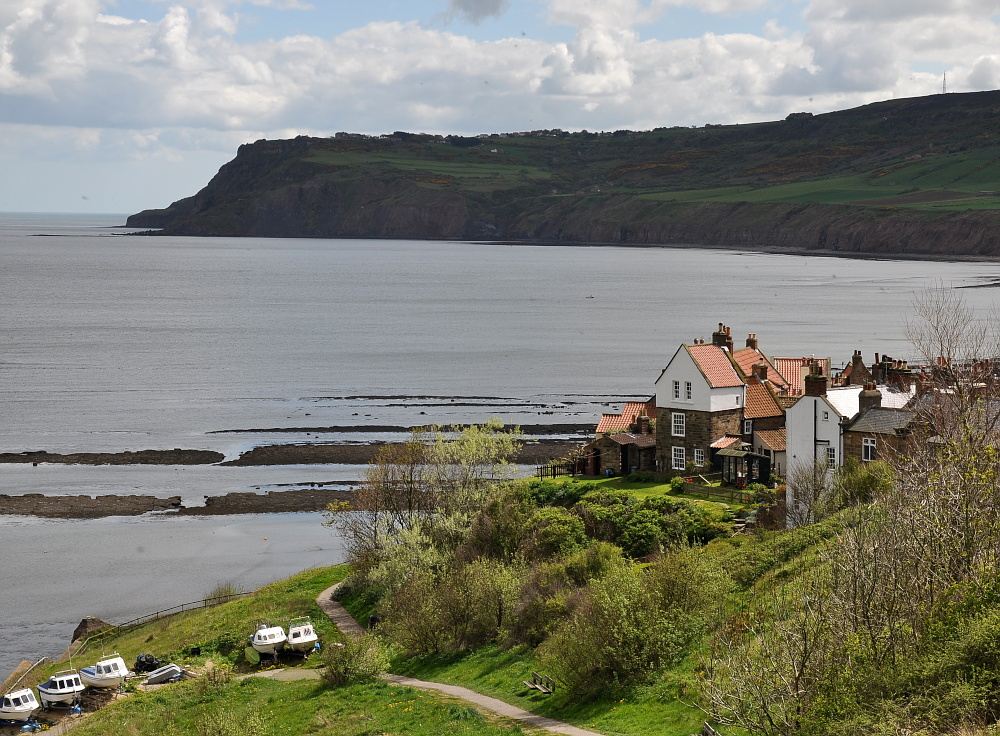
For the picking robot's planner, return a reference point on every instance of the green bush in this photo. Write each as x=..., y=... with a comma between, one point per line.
x=358, y=658
x=616, y=635
x=553, y=532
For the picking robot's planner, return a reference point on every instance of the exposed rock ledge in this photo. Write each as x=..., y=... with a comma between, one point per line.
x=176, y=456
x=95, y=507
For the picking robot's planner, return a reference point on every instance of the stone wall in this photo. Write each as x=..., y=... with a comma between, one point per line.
x=701, y=429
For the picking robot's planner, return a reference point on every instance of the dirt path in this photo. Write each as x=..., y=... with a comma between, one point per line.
x=349, y=627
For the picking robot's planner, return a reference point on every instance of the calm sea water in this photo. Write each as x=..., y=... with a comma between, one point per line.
x=126, y=343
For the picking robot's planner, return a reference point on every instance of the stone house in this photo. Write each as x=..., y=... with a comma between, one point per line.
x=709, y=392
x=699, y=398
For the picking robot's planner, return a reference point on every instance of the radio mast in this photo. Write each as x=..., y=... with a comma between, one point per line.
x=944, y=86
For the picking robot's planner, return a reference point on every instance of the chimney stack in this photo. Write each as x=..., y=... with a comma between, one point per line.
x=723, y=337
x=760, y=371
x=752, y=340
x=869, y=398
x=815, y=382
x=643, y=423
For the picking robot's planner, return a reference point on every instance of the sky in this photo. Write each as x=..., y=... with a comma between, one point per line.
x=115, y=106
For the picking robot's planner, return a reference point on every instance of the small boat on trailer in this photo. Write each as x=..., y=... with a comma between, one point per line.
x=18, y=706
x=167, y=673
x=63, y=688
x=268, y=639
x=109, y=673
x=301, y=635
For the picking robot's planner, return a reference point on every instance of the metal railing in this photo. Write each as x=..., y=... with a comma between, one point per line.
x=116, y=629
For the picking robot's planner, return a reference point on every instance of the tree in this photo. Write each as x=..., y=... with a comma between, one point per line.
x=434, y=483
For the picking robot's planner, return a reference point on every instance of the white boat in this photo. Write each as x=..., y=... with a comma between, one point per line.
x=166, y=673
x=63, y=687
x=19, y=706
x=301, y=635
x=109, y=672
x=268, y=639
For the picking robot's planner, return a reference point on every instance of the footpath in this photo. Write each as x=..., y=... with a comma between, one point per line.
x=349, y=627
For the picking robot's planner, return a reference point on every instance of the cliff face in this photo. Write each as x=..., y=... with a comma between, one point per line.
x=901, y=177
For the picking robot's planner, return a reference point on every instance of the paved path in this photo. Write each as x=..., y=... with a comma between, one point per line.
x=349, y=627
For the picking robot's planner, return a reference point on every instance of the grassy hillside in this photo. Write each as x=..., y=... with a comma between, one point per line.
x=913, y=161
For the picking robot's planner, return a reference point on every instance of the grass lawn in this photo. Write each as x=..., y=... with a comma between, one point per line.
x=260, y=707
x=717, y=502
x=221, y=632
x=657, y=710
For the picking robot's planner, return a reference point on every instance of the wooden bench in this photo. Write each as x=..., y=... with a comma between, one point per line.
x=541, y=683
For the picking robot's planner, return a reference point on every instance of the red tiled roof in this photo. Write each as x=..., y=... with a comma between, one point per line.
x=791, y=370
x=727, y=441
x=746, y=358
x=639, y=440
x=619, y=422
x=715, y=365
x=759, y=401
x=773, y=438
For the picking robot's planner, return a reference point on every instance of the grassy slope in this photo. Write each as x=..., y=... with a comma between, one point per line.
x=941, y=146
x=660, y=708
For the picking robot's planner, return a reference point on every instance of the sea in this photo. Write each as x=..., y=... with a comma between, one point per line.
x=112, y=341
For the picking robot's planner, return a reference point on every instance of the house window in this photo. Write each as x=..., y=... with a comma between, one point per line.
x=679, y=461
x=687, y=390
x=677, y=389
x=868, y=449
x=748, y=426
x=677, y=424
x=831, y=457
x=826, y=416
x=699, y=457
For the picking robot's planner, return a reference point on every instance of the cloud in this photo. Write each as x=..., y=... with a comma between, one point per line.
x=185, y=77
x=476, y=11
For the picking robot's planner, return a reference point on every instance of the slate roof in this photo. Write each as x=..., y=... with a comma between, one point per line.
x=639, y=440
x=760, y=401
x=619, y=422
x=715, y=365
x=773, y=438
x=881, y=421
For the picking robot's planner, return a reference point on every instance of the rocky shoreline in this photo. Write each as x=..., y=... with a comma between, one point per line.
x=176, y=456
x=96, y=507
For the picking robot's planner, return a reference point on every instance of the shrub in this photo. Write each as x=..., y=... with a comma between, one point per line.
x=616, y=635
x=359, y=658
x=553, y=532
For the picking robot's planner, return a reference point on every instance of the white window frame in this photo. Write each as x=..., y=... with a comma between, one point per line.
x=677, y=390
x=678, y=424
x=699, y=456
x=748, y=426
x=678, y=459
x=826, y=416
x=869, y=449
x=831, y=457
x=688, y=390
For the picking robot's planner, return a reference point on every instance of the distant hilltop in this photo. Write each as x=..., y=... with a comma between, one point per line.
x=915, y=177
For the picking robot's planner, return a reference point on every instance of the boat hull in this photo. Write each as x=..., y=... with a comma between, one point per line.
x=62, y=688
x=268, y=639
x=164, y=674
x=302, y=638
x=18, y=706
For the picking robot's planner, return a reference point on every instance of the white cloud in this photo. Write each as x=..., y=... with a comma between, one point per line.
x=185, y=76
